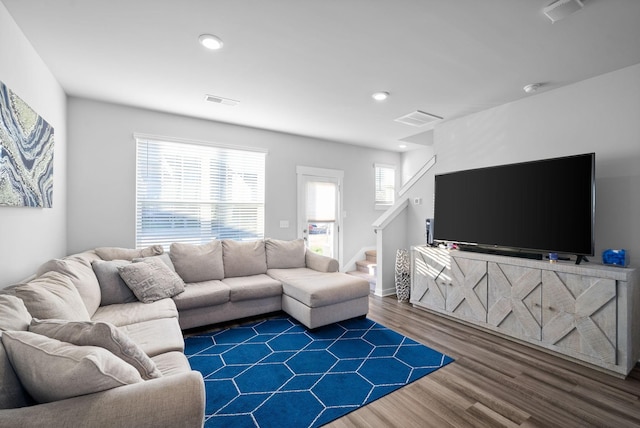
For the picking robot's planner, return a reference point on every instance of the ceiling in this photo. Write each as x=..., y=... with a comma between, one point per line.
x=309, y=67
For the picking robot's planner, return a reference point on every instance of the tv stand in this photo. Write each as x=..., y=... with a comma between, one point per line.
x=587, y=313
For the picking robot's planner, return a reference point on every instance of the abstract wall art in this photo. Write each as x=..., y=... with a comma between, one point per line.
x=26, y=154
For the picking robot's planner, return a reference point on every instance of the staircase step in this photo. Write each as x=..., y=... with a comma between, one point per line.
x=366, y=267
x=371, y=255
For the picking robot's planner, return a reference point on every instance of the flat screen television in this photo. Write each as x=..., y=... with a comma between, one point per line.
x=524, y=209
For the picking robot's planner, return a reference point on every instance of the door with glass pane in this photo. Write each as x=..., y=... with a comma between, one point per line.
x=318, y=208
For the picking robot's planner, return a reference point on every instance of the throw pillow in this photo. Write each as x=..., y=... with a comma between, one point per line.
x=78, y=268
x=243, y=258
x=117, y=253
x=13, y=313
x=285, y=254
x=151, y=280
x=52, y=295
x=51, y=370
x=102, y=334
x=197, y=263
x=113, y=289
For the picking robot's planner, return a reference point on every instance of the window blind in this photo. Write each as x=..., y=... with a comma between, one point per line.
x=195, y=193
x=385, y=184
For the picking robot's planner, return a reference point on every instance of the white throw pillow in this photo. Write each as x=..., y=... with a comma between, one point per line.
x=51, y=370
x=98, y=333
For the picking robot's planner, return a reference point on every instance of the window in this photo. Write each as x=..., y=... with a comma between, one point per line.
x=385, y=176
x=194, y=193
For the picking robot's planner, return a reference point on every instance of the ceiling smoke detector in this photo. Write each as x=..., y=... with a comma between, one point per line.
x=219, y=100
x=418, y=118
x=560, y=9
x=532, y=87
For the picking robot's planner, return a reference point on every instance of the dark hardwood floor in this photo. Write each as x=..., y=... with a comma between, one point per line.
x=493, y=383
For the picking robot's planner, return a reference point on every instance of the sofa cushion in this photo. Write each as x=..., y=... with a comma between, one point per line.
x=52, y=295
x=117, y=253
x=78, y=268
x=151, y=280
x=164, y=257
x=131, y=313
x=113, y=289
x=202, y=295
x=156, y=336
x=12, y=393
x=316, y=289
x=285, y=254
x=197, y=263
x=252, y=287
x=13, y=314
x=102, y=334
x=171, y=363
x=51, y=370
x=243, y=258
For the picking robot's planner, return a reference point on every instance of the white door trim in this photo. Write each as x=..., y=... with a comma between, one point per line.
x=322, y=172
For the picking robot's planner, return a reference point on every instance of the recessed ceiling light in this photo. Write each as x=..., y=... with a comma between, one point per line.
x=402, y=146
x=210, y=41
x=380, y=96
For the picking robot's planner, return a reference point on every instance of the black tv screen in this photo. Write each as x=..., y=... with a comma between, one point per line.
x=540, y=206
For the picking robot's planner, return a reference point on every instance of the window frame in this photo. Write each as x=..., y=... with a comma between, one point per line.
x=217, y=175
x=378, y=203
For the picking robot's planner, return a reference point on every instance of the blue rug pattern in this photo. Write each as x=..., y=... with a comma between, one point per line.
x=276, y=373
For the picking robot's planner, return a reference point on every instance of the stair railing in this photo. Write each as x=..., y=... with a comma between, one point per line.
x=391, y=234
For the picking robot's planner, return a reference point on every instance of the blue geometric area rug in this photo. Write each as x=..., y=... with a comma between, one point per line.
x=276, y=373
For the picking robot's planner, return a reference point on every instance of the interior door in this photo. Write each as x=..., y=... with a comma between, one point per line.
x=318, y=213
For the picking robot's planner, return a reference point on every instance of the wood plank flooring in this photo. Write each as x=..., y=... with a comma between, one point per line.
x=493, y=383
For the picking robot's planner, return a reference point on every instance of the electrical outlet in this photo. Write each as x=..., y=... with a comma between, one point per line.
x=417, y=201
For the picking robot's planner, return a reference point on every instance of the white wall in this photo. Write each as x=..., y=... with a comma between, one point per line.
x=31, y=236
x=102, y=172
x=598, y=115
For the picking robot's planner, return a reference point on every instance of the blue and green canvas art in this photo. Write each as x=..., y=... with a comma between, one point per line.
x=26, y=154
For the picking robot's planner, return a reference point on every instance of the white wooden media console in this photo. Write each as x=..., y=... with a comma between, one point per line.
x=587, y=313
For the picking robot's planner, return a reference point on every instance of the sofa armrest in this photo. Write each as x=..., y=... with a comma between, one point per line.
x=168, y=401
x=320, y=263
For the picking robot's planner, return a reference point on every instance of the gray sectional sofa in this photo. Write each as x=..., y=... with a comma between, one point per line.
x=95, y=339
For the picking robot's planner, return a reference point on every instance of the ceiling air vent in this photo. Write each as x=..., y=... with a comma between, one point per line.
x=417, y=118
x=220, y=100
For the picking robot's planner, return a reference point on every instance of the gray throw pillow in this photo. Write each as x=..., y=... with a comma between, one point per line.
x=52, y=295
x=198, y=263
x=117, y=253
x=151, y=280
x=102, y=334
x=113, y=289
x=51, y=370
x=285, y=254
x=243, y=258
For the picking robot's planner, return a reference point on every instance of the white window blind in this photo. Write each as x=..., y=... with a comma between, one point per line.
x=196, y=193
x=385, y=177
